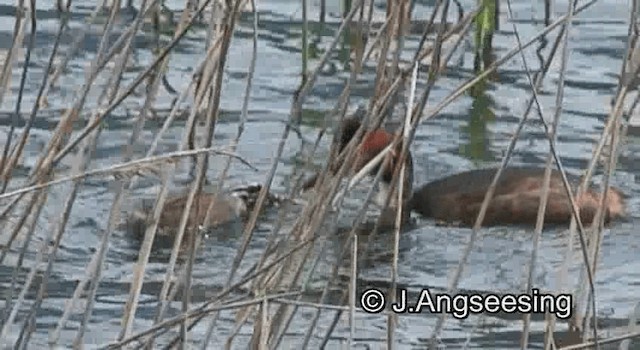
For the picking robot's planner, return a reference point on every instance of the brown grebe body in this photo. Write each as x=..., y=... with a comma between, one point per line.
x=458, y=198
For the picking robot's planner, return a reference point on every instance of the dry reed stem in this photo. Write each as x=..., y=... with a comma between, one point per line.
x=282, y=273
x=336, y=265
x=397, y=170
x=470, y=243
x=295, y=117
x=23, y=77
x=106, y=111
x=63, y=128
x=131, y=306
x=110, y=93
x=18, y=227
x=216, y=300
x=72, y=50
x=228, y=31
x=247, y=92
x=164, y=294
x=594, y=246
x=318, y=216
x=212, y=111
x=352, y=291
x=5, y=169
x=198, y=312
x=71, y=114
x=125, y=185
x=615, y=116
x=334, y=274
x=417, y=113
x=14, y=50
x=37, y=201
x=272, y=245
x=544, y=192
x=612, y=120
x=359, y=217
x=132, y=167
x=113, y=90
x=56, y=233
x=392, y=318
x=5, y=77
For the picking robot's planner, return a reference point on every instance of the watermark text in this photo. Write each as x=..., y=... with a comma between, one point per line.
x=462, y=305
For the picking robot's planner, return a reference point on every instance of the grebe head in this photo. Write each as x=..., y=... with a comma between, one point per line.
x=348, y=129
x=374, y=142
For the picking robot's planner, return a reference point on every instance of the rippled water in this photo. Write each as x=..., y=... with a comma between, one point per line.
x=465, y=135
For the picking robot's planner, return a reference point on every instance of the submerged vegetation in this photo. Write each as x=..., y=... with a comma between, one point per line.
x=285, y=280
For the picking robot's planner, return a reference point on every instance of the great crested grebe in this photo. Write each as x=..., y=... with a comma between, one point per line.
x=373, y=142
x=457, y=198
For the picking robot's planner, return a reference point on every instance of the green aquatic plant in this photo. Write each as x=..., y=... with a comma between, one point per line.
x=485, y=26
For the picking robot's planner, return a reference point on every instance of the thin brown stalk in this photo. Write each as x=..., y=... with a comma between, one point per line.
x=198, y=312
x=15, y=120
x=17, y=152
x=164, y=295
x=352, y=291
x=518, y=49
x=52, y=242
x=14, y=49
x=392, y=318
x=544, y=192
x=133, y=166
x=215, y=300
x=123, y=185
x=135, y=290
x=34, y=206
x=416, y=113
x=294, y=117
x=585, y=297
x=127, y=91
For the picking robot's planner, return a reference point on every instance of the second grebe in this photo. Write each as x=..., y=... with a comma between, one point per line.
x=457, y=198
x=373, y=142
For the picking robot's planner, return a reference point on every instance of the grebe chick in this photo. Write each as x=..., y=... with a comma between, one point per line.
x=231, y=206
x=457, y=198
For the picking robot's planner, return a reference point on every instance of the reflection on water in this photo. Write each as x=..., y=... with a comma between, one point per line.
x=471, y=132
x=480, y=114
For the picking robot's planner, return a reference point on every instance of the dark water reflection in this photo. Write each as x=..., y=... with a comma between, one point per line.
x=470, y=132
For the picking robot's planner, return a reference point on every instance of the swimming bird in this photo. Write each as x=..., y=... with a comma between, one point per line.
x=372, y=143
x=232, y=206
x=457, y=198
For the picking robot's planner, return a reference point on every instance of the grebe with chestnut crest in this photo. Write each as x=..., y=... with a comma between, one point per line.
x=373, y=142
x=457, y=198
